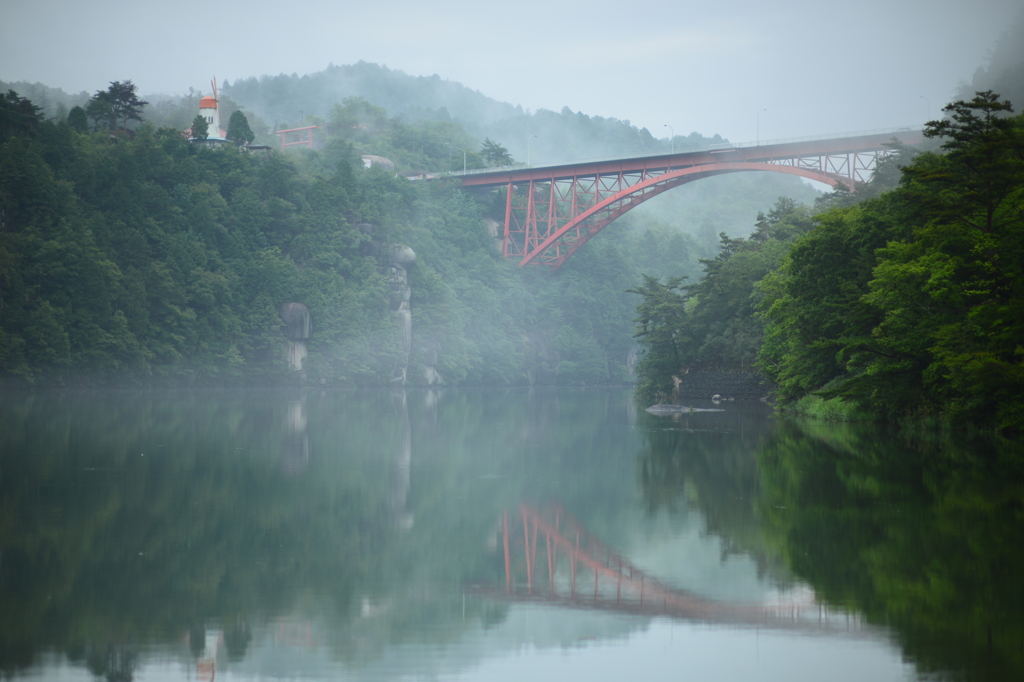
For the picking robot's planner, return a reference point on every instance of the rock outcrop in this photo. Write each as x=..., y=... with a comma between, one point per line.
x=298, y=325
x=496, y=231
x=430, y=374
x=398, y=283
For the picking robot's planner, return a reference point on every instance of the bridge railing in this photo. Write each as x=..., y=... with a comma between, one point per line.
x=811, y=138
x=689, y=150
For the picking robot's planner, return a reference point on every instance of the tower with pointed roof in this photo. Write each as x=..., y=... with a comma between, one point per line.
x=209, y=109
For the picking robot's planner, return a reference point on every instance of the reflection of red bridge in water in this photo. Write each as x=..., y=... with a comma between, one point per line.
x=582, y=572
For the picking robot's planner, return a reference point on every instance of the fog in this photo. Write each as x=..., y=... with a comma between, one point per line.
x=739, y=69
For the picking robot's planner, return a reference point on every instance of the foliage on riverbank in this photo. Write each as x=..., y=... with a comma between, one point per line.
x=135, y=256
x=909, y=304
x=710, y=324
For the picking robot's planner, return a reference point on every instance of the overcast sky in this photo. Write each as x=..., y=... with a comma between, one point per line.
x=739, y=68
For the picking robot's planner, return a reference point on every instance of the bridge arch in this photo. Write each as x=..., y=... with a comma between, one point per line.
x=561, y=243
x=551, y=211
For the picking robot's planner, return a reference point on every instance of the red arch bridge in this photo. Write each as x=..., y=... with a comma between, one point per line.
x=577, y=570
x=552, y=211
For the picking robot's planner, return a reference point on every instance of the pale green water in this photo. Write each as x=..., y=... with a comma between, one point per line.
x=358, y=535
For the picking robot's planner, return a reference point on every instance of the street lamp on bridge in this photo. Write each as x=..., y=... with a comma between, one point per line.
x=448, y=143
x=528, y=149
x=672, y=140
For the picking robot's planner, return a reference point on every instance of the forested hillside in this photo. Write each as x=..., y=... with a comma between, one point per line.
x=130, y=256
x=896, y=301
x=448, y=119
x=911, y=303
x=431, y=124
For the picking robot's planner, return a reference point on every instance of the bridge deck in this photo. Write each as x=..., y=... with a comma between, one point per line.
x=764, y=153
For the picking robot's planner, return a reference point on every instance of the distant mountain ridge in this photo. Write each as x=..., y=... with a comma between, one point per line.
x=540, y=137
x=288, y=98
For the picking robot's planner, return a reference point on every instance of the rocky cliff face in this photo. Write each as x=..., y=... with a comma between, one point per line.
x=398, y=282
x=298, y=325
x=496, y=231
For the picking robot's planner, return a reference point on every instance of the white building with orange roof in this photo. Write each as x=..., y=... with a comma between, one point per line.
x=209, y=109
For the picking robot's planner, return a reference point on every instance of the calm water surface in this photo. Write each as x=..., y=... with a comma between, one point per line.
x=495, y=535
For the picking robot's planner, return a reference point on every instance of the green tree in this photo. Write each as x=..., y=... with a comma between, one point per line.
x=125, y=102
x=18, y=116
x=116, y=106
x=494, y=153
x=200, y=128
x=911, y=304
x=984, y=165
x=78, y=120
x=952, y=295
x=663, y=329
x=812, y=304
x=239, y=131
x=727, y=332
x=101, y=111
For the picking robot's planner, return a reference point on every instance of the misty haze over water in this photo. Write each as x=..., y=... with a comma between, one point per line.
x=359, y=535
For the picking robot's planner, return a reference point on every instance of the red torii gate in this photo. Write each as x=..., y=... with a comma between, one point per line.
x=299, y=140
x=552, y=211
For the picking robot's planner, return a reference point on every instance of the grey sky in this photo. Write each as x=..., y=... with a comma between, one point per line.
x=815, y=67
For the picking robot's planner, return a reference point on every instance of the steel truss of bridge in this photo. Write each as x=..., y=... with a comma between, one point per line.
x=551, y=211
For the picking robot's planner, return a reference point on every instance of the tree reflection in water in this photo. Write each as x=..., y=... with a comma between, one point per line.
x=919, y=533
x=127, y=519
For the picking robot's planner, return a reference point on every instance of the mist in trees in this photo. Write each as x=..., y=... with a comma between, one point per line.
x=114, y=107
x=919, y=321
x=710, y=324
x=894, y=301
x=239, y=131
x=494, y=153
x=181, y=257
x=1003, y=71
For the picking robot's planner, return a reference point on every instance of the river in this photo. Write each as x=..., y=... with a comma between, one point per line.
x=459, y=534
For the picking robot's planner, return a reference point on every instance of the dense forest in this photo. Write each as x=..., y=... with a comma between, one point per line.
x=130, y=256
x=899, y=300
x=887, y=304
